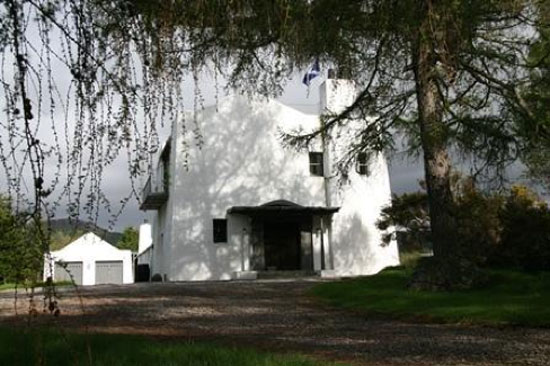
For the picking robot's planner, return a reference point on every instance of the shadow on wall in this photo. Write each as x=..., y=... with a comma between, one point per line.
x=241, y=162
x=354, y=245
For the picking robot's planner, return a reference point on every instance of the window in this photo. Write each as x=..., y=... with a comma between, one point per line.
x=316, y=163
x=362, y=166
x=220, y=230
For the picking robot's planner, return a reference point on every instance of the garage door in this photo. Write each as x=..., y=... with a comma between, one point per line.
x=64, y=271
x=108, y=272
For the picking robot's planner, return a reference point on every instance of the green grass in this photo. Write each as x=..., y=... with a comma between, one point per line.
x=11, y=286
x=6, y=286
x=409, y=259
x=40, y=347
x=510, y=298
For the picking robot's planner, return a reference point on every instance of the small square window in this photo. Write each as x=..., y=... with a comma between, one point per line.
x=316, y=163
x=362, y=166
x=220, y=230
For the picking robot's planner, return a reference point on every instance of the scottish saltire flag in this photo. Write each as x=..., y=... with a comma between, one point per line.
x=312, y=73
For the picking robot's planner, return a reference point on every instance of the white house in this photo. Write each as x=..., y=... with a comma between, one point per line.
x=234, y=201
x=89, y=260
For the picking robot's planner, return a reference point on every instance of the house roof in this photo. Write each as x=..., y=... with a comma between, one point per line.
x=282, y=207
x=89, y=244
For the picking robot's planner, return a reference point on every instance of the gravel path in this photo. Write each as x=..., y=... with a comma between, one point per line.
x=277, y=315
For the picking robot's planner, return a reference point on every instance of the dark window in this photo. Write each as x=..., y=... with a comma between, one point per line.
x=220, y=231
x=362, y=166
x=316, y=163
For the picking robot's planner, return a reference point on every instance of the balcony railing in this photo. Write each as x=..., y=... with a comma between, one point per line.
x=154, y=194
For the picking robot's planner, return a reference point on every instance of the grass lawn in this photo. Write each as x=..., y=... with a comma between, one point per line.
x=10, y=286
x=6, y=286
x=39, y=347
x=510, y=298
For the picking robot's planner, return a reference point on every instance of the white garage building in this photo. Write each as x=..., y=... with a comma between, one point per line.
x=89, y=260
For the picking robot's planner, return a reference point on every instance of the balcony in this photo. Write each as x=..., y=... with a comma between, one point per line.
x=154, y=194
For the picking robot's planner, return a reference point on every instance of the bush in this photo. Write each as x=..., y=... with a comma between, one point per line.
x=157, y=277
x=525, y=241
x=479, y=227
x=510, y=230
x=21, y=253
x=406, y=220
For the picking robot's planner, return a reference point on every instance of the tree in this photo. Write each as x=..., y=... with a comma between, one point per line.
x=537, y=96
x=21, y=258
x=129, y=239
x=447, y=73
x=408, y=214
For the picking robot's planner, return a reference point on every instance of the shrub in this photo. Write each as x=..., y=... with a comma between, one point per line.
x=406, y=219
x=479, y=227
x=525, y=241
x=157, y=277
x=510, y=230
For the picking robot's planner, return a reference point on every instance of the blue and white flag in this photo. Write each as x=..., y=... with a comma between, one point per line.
x=312, y=73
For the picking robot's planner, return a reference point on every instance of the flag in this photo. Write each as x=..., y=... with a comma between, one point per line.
x=312, y=73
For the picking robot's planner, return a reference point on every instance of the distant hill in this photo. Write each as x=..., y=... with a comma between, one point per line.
x=70, y=226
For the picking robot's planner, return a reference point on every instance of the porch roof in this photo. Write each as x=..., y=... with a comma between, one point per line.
x=283, y=207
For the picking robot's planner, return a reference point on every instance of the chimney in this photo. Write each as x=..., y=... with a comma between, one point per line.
x=336, y=94
x=145, y=237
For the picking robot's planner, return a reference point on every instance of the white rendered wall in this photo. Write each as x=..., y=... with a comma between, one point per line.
x=162, y=227
x=241, y=162
x=88, y=249
x=160, y=258
x=145, y=237
x=356, y=241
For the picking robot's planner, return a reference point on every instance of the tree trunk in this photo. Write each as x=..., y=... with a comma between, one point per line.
x=447, y=267
x=437, y=165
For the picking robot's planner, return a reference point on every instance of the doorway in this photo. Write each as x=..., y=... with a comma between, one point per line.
x=282, y=245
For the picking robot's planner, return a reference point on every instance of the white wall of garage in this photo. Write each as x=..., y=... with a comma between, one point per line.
x=89, y=249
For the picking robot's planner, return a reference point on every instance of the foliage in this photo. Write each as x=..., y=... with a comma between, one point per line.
x=525, y=239
x=408, y=214
x=29, y=347
x=537, y=96
x=409, y=259
x=510, y=229
x=480, y=227
x=129, y=239
x=508, y=298
x=537, y=161
x=21, y=255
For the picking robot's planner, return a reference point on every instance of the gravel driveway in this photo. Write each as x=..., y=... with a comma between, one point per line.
x=277, y=315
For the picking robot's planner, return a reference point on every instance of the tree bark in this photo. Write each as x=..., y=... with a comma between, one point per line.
x=437, y=164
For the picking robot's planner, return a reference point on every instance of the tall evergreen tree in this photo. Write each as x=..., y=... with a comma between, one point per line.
x=448, y=73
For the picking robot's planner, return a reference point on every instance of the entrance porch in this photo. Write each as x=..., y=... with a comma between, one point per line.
x=283, y=237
